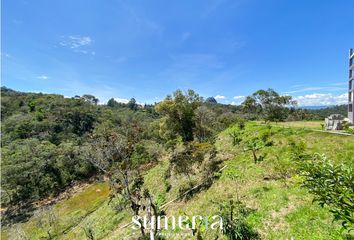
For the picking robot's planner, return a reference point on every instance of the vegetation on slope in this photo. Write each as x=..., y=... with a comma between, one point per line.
x=171, y=153
x=271, y=190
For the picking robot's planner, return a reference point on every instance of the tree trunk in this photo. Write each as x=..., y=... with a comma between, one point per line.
x=254, y=156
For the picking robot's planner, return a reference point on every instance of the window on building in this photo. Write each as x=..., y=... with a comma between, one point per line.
x=350, y=107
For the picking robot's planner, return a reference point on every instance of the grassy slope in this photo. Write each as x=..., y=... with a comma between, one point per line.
x=301, y=124
x=280, y=211
x=67, y=214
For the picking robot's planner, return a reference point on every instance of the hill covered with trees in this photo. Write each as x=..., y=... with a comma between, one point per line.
x=149, y=155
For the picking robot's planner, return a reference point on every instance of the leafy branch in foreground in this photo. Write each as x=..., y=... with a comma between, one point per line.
x=332, y=185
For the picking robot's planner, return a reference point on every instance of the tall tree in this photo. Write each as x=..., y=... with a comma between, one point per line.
x=204, y=124
x=132, y=104
x=273, y=106
x=112, y=103
x=90, y=98
x=112, y=154
x=178, y=114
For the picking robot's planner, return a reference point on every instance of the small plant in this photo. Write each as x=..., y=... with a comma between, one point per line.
x=160, y=199
x=241, y=124
x=346, y=125
x=254, y=145
x=265, y=137
x=350, y=130
x=48, y=221
x=89, y=233
x=332, y=185
x=236, y=137
x=297, y=150
x=284, y=169
x=235, y=226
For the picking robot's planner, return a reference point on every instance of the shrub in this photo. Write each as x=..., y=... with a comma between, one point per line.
x=254, y=145
x=235, y=226
x=297, y=150
x=235, y=136
x=332, y=185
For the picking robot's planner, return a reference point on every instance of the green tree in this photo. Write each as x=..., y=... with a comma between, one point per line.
x=273, y=106
x=132, y=104
x=112, y=154
x=112, y=103
x=178, y=114
x=27, y=170
x=90, y=98
x=205, y=120
x=250, y=105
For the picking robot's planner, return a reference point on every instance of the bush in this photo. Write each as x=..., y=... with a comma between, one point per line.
x=350, y=130
x=332, y=185
x=297, y=150
x=234, y=221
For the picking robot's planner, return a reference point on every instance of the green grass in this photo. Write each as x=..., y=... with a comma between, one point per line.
x=281, y=210
x=300, y=124
x=67, y=214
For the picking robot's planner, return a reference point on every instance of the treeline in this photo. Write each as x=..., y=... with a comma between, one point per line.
x=320, y=114
x=46, y=138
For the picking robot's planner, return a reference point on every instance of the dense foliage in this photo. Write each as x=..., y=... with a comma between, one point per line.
x=44, y=138
x=270, y=104
x=325, y=112
x=49, y=142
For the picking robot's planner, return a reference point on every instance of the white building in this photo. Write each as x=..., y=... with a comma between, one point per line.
x=351, y=87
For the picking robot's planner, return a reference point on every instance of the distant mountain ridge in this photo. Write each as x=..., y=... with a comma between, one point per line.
x=325, y=111
x=317, y=107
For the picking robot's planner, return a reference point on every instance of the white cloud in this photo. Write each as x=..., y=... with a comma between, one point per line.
x=122, y=100
x=321, y=99
x=93, y=53
x=308, y=89
x=238, y=100
x=219, y=97
x=76, y=41
x=78, y=44
x=42, y=77
x=239, y=97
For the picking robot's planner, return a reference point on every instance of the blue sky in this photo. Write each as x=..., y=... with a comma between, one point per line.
x=147, y=49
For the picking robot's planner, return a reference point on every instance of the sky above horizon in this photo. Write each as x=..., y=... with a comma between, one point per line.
x=147, y=49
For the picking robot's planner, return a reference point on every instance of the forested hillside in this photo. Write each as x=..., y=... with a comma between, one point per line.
x=45, y=136
x=193, y=152
x=325, y=112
